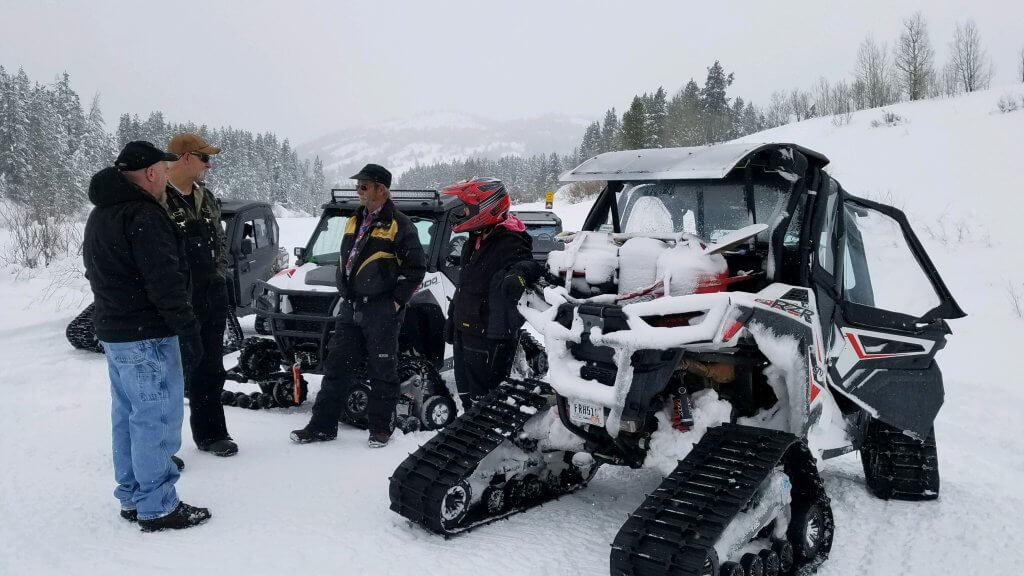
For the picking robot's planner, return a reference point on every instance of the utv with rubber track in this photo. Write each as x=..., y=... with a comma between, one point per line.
x=729, y=315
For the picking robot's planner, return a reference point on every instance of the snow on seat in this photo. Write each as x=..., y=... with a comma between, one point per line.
x=649, y=216
x=593, y=255
x=638, y=263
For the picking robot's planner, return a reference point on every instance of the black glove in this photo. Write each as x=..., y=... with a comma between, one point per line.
x=513, y=285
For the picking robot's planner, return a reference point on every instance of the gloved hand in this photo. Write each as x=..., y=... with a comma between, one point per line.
x=513, y=285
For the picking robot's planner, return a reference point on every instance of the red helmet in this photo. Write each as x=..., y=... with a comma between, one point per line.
x=486, y=199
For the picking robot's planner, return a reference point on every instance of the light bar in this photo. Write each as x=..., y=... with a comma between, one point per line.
x=350, y=193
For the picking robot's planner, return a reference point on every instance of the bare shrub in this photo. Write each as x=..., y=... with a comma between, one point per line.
x=37, y=240
x=888, y=119
x=580, y=191
x=1016, y=296
x=1008, y=103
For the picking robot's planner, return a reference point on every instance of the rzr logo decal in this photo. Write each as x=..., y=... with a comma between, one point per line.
x=789, y=308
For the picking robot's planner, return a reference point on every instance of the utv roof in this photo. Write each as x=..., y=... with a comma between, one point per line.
x=405, y=200
x=228, y=207
x=695, y=163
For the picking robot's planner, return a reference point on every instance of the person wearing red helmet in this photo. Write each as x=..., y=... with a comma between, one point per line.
x=496, y=267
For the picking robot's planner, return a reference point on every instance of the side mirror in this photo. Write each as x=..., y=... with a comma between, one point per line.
x=300, y=253
x=246, y=246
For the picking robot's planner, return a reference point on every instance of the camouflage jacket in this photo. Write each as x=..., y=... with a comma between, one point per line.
x=200, y=226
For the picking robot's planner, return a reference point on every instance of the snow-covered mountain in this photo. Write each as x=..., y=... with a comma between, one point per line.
x=952, y=164
x=400, y=144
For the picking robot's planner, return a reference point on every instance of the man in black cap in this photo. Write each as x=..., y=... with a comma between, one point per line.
x=132, y=260
x=195, y=211
x=381, y=265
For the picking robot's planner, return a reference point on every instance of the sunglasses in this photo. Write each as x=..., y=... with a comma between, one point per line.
x=364, y=187
x=202, y=157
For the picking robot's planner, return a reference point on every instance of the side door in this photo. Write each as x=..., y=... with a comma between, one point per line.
x=450, y=254
x=267, y=237
x=254, y=251
x=889, y=320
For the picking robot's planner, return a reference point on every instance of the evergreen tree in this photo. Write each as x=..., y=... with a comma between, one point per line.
x=610, y=132
x=634, y=130
x=591, y=145
x=655, y=107
x=715, y=104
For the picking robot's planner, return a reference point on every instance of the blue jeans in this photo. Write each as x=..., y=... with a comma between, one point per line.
x=147, y=406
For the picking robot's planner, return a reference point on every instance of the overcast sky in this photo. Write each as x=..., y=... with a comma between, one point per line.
x=305, y=68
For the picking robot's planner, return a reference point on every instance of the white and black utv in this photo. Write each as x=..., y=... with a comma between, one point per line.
x=733, y=312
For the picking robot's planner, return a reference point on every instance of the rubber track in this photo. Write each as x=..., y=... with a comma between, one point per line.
x=675, y=527
x=420, y=483
x=900, y=467
x=81, y=333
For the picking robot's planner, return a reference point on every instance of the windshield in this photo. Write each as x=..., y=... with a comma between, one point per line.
x=708, y=209
x=326, y=243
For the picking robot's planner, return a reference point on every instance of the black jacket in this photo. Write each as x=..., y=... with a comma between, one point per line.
x=479, y=308
x=390, y=263
x=200, y=226
x=134, y=263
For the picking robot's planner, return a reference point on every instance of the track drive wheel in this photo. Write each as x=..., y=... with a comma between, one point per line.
x=437, y=412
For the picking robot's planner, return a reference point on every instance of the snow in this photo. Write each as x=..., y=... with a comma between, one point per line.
x=638, y=263
x=279, y=508
x=686, y=265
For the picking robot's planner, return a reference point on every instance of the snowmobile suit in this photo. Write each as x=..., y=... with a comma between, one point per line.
x=385, y=270
x=197, y=218
x=484, y=315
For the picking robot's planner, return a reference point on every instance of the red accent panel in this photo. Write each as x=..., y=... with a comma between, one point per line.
x=731, y=330
x=860, y=352
x=815, y=390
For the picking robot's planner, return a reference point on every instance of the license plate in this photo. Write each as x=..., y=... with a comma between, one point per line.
x=582, y=412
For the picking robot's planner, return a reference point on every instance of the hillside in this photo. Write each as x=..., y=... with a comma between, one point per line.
x=401, y=144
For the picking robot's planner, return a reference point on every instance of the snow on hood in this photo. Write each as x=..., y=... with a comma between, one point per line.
x=295, y=279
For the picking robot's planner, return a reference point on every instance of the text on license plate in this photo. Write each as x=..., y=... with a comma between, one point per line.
x=586, y=413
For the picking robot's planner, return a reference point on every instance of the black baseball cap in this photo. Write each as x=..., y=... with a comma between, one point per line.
x=374, y=173
x=139, y=154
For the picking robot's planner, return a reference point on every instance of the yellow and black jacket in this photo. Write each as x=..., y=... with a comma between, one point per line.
x=391, y=261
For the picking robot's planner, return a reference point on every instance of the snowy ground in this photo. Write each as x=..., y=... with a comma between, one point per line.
x=280, y=508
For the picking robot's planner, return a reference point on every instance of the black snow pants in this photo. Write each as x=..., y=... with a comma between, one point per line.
x=481, y=364
x=204, y=372
x=365, y=331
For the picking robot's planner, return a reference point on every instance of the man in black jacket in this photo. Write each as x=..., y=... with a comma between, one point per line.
x=195, y=211
x=381, y=265
x=496, y=267
x=132, y=260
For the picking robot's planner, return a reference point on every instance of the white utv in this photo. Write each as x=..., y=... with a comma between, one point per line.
x=729, y=315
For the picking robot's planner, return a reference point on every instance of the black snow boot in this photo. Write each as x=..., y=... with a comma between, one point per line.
x=222, y=447
x=307, y=435
x=184, y=516
x=130, y=515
